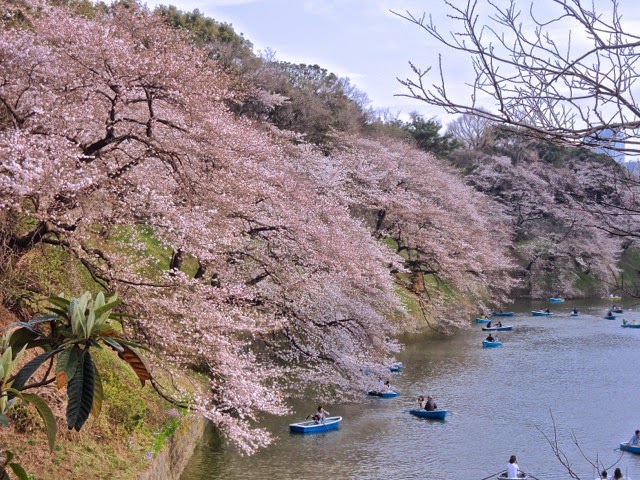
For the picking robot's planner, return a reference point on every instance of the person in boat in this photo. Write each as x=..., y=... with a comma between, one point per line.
x=499, y=323
x=430, y=406
x=617, y=475
x=489, y=325
x=575, y=310
x=635, y=440
x=321, y=416
x=490, y=338
x=512, y=468
x=483, y=316
x=624, y=321
x=609, y=313
x=421, y=402
x=547, y=310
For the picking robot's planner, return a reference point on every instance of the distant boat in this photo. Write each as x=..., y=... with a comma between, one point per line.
x=385, y=394
x=418, y=412
x=502, y=314
x=503, y=476
x=482, y=320
x=609, y=317
x=617, y=310
x=503, y=328
x=330, y=423
x=612, y=297
x=539, y=313
x=556, y=300
x=488, y=344
x=631, y=325
x=574, y=314
x=630, y=448
x=396, y=367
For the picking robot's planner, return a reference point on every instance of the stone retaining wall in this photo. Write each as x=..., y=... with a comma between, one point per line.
x=172, y=460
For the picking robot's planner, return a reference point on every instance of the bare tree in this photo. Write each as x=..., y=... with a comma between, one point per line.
x=578, y=90
x=474, y=132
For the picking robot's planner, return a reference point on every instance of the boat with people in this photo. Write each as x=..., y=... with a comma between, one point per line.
x=383, y=394
x=437, y=413
x=630, y=325
x=612, y=297
x=502, y=314
x=541, y=313
x=488, y=344
x=627, y=447
x=502, y=328
x=617, y=310
x=482, y=320
x=556, y=300
x=574, y=314
x=396, y=367
x=311, y=426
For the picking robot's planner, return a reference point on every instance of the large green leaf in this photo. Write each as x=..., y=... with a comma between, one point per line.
x=80, y=391
x=19, y=471
x=20, y=338
x=67, y=365
x=25, y=373
x=46, y=414
x=60, y=302
x=4, y=420
x=109, y=306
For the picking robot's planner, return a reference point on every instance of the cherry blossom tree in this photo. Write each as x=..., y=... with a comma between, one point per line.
x=116, y=131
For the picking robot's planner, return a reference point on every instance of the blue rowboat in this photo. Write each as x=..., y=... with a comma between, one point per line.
x=482, y=320
x=538, y=313
x=617, y=310
x=396, y=367
x=631, y=325
x=487, y=344
x=385, y=394
x=502, y=314
x=609, y=317
x=556, y=300
x=630, y=448
x=503, y=328
x=418, y=412
x=574, y=314
x=330, y=423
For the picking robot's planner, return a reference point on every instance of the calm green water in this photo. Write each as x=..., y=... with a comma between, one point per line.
x=582, y=370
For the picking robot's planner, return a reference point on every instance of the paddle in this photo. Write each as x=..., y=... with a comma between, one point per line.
x=491, y=476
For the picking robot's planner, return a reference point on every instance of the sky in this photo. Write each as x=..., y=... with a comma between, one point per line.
x=358, y=39
x=363, y=40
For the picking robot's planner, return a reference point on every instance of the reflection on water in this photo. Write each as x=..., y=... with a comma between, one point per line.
x=580, y=370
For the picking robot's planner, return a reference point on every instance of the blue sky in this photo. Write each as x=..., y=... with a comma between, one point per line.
x=364, y=41
x=358, y=39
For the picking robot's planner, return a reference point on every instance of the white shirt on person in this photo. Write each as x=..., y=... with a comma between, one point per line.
x=512, y=470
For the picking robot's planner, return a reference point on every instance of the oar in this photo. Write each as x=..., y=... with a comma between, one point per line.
x=490, y=476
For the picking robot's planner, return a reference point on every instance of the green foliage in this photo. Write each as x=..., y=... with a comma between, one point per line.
x=167, y=431
x=75, y=326
x=319, y=101
x=205, y=30
x=425, y=133
x=124, y=409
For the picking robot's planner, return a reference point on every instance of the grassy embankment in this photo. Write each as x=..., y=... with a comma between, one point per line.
x=134, y=422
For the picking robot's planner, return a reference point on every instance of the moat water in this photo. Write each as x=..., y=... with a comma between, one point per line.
x=579, y=373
